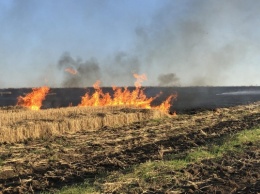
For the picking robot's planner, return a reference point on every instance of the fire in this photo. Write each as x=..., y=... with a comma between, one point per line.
x=165, y=106
x=120, y=97
x=124, y=97
x=71, y=71
x=34, y=99
x=139, y=79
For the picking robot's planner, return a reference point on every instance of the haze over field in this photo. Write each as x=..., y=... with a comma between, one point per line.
x=73, y=43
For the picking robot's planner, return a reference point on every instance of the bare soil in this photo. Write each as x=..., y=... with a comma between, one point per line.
x=233, y=173
x=48, y=164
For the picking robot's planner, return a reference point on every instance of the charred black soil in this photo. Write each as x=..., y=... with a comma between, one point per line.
x=189, y=99
x=49, y=164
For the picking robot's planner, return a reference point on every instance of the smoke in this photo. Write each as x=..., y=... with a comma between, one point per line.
x=86, y=73
x=120, y=68
x=205, y=41
x=169, y=79
x=117, y=70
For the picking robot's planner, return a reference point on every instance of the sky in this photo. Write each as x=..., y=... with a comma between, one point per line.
x=173, y=42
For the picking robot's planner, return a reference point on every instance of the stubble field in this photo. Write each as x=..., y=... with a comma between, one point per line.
x=214, y=151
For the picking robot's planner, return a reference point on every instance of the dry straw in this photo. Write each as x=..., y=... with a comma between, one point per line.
x=19, y=124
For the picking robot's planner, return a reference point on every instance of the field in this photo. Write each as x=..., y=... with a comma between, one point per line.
x=210, y=151
x=188, y=98
x=18, y=124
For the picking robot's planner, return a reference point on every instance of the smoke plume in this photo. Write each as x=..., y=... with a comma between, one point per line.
x=86, y=73
x=169, y=79
x=120, y=68
x=204, y=42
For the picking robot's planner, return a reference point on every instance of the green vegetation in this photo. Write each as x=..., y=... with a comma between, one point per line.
x=1, y=161
x=163, y=172
x=79, y=189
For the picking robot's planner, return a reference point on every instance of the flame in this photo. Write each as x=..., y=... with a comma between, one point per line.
x=34, y=99
x=165, y=106
x=71, y=71
x=124, y=97
x=139, y=79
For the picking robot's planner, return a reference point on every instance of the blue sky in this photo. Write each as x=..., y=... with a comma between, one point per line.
x=175, y=42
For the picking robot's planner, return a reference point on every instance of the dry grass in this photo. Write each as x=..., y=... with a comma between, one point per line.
x=19, y=124
x=162, y=155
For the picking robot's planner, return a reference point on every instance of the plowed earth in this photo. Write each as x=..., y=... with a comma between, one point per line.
x=49, y=164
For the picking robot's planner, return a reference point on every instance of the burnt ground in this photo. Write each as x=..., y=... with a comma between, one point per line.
x=188, y=98
x=48, y=164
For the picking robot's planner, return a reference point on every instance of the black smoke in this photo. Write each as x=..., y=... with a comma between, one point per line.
x=87, y=72
x=169, y=79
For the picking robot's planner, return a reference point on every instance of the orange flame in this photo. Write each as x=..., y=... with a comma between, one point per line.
x=139, y=79
x=165, y=106
x=71, y=71
x=34, y=99
x=125, y=97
